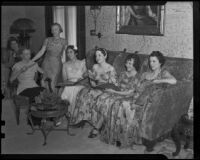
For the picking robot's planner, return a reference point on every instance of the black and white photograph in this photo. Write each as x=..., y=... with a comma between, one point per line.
x=81, y=79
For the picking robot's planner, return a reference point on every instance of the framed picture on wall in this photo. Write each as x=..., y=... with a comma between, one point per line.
x=140, y=19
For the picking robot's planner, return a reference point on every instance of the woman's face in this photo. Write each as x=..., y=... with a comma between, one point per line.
x=71, y=54
x=100, y=57
x=129, y=64
x=55, y=30
x=154, y=63
x=14, y=45
x=26, y=54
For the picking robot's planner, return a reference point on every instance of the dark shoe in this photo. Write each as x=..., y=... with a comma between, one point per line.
x=92, y=135
x=81, y=124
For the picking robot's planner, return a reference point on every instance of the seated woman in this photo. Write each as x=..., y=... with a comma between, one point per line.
x=24, y=71
x=123, y=127
x=9, y=57
x=102, y=73
x=127, y=82
x=73, y=71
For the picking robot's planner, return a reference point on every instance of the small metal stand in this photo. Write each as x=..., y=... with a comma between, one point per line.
x=46, y=126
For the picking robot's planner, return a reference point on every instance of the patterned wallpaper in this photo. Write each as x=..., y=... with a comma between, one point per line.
x=176, y=42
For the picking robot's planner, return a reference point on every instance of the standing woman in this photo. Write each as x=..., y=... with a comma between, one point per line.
x=54, y=47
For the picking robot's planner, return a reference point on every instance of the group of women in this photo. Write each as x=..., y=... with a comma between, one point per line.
x=112, y=113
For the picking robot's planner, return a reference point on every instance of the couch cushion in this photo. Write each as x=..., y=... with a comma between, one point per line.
x=180, y=68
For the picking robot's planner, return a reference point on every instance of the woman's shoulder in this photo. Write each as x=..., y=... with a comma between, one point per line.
x=110, y=67
x=18, y=65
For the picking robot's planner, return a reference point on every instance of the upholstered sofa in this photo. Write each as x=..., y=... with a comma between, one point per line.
x=168, y=102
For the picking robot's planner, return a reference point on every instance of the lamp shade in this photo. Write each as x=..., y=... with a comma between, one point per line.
x=22, y=25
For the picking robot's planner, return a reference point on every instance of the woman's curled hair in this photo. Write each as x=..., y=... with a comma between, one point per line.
x=136, y=58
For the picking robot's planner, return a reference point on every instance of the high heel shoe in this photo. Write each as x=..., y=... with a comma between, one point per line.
x=81, y=124
x=92, y=134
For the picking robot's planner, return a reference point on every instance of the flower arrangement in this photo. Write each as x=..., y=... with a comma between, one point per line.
x=49, y=100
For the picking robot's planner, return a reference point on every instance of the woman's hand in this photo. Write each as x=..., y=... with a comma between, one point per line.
x=91, y=74
x=110, y=90
x=23, y=69
x=156, y=81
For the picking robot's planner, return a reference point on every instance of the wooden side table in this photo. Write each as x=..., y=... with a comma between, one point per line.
x=46, y=126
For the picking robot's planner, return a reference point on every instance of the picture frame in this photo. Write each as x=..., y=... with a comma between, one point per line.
x=140, y=20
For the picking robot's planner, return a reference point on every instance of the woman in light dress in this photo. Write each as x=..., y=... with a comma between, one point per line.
x=52, y=64
x=24, y=71
x=73, y=71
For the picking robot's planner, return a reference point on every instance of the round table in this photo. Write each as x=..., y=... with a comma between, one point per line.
x=45, y=126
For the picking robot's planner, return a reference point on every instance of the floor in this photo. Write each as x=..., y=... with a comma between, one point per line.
x=58, y=142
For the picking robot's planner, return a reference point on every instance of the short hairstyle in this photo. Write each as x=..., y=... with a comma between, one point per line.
x=73, y=48
x=57, y=24
x=159, y=56
x=10, y=39
x=103, y=51
x=136, y=58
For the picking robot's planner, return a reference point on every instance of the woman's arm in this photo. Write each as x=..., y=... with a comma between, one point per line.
x=125, y=93
x=166, y=78
x=84, y=69
x=41, y=52
x=40, y=69
x=64, y=72
x=16, y=73
x=113, y=76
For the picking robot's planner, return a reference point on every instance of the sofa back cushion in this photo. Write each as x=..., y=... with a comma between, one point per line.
x=180, y=68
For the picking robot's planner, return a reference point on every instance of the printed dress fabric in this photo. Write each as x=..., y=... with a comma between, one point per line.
x=124, y=117
x=73, y=74
x=86, y=99
x=52, y=63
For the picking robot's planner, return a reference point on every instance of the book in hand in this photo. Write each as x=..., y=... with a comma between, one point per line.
x=70, y=83
x=107, y=86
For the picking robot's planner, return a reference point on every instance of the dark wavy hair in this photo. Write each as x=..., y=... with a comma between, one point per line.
x=136, y=58
x=57, y=24
x=159, y=56
x=103, y=51
x=72, y=47
x=10, y=40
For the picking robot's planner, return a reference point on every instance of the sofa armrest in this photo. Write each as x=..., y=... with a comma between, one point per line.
x=164, y=108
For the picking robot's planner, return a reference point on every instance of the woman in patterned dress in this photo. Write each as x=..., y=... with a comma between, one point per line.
x=127, y=82
x=123, y=127
x=52, y=64
x=101, y=73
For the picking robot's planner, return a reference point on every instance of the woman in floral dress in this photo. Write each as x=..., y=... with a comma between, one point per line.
x=101, y=73
x=127, y=82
